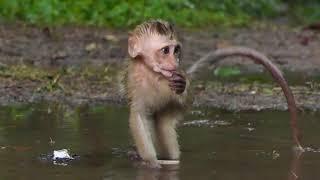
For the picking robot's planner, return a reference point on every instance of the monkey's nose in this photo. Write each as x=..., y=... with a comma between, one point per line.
x=170, y=67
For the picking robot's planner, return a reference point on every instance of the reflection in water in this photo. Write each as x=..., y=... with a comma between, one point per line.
x=163, y=174
x=295, y=169
x=100, y=136
x=92, y=137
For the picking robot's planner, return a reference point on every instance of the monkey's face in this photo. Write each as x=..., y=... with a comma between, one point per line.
x=168, y=54
x=163, y=53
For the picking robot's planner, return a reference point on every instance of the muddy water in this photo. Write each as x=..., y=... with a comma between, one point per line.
x=220, y=145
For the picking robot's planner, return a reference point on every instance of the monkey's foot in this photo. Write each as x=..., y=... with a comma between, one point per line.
x=139, y=162
x=151, y=164
x=133, y=155
x=146, y=164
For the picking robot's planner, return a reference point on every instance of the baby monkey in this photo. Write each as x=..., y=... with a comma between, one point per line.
x=157, y=88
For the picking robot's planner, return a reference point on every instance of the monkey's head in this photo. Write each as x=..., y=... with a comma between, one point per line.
x=155, y=43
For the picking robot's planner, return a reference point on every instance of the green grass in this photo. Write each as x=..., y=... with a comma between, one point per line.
x=308, y=13
x=124, y=14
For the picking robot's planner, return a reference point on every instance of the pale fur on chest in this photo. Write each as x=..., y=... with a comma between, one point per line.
x=148, y=89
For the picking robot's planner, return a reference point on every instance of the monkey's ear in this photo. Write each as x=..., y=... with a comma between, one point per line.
x=134, y=46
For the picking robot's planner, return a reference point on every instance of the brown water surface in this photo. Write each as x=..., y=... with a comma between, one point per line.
x=215, y=144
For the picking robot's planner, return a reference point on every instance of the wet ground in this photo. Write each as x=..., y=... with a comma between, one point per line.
x=78, y=65
x=215, y=144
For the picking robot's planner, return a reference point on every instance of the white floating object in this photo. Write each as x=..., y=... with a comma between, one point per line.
x=253, y=92
x=61, y=154
x=168, y=162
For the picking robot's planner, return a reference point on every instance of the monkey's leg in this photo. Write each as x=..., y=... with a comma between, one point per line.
x=142, y=137
x=167, y=136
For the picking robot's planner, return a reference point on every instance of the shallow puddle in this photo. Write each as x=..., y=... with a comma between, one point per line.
x=219, y=145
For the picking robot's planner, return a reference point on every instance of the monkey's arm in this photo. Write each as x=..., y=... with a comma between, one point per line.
x=220, y=54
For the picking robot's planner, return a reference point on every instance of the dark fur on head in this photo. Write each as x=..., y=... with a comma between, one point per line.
x=152, y=27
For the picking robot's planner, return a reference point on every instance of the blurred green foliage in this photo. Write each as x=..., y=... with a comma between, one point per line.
x=308, y=13
x=115, y=13
x=226, y=71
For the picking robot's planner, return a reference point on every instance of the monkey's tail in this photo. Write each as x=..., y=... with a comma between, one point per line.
x=220, y=54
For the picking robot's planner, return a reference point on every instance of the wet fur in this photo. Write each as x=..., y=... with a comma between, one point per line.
x=155, y=108
x=154, y=113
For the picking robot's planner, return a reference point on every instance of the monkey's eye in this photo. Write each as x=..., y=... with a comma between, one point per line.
x=177, y=49
x=165, y=50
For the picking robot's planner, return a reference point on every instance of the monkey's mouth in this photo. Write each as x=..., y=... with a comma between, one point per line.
x=164, y=72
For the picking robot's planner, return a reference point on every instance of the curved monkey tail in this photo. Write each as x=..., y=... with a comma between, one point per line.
x=218, y=55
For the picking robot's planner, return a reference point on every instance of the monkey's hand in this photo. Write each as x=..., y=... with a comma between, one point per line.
x=177, y=82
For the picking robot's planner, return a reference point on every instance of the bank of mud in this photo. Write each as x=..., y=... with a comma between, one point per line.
x=77, y=65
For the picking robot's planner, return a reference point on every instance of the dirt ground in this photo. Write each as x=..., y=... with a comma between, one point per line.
x=52, y=49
